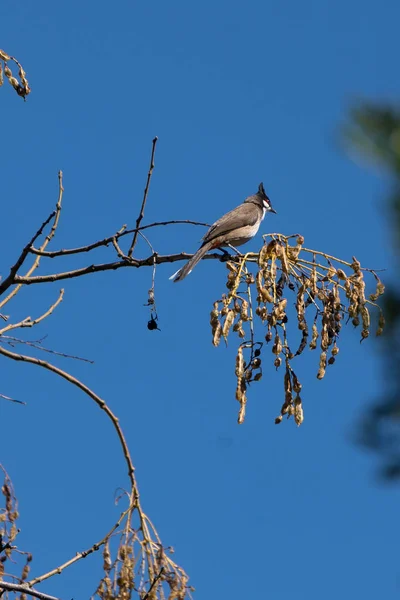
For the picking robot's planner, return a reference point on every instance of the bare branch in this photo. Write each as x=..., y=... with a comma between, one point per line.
x=79, y=555
x=8, y=281
x=146, y=191
x=134, y=502
x=123, y=231
x=133, y=262
x=49, y=237
x=28, y=322
x=10, y=340
x=24, y=589
x=99, y=401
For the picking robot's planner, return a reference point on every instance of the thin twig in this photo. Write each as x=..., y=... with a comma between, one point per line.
x=8, y=281
x=10, y=340
x=80, y=555
x=122, y=232
x=24, y=589
x=146, y=191
x=156, y=578
x=12, y=399
x=28, y=322
x=47, y=240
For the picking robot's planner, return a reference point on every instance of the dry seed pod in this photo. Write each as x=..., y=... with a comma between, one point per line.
x=259, y=282
x=355, y=265
x=257, y=376
x=217, y=334
x=380, y=289
x=335, y=350
x=304, y=339
x=322, y=366
x=229, y=319
x=296, y=383
x=214, y=313
x=263, y=256
x=381, y=325
x=256, y=363
x=364, y=334
x=315, y=335
x=277, y=347
x=300, y=307
x=239, y=362
x=107, y=564
x=293, y=252
x=242, y=411
x=231, y=281
x=25, y=572
x=272, y=269
x=262, y=312
x=279, y=309
x=341, y=274
x=287, y=384
x=281, y=254
x=244, y=311
x=238, y=325
x=236, y=306
x=298, y=411
x=365, y=317
x=277, y=362
x=266, y=296
x=241, y=390
x=278, y=420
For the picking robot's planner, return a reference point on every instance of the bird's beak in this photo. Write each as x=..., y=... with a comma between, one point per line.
x=273, y=210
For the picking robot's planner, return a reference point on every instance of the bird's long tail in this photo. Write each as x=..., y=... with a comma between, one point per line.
x=190, y=265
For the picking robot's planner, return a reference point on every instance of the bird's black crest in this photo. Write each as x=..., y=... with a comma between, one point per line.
x=261, y=189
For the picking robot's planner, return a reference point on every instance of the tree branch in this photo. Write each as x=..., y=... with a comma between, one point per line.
x=24, y=589
x=113, y=266
x=146, y=191
x=8, y=281
x=56, y=215
x=123, y=231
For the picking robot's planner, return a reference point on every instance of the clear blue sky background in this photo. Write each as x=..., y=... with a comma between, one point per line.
x=238, y=93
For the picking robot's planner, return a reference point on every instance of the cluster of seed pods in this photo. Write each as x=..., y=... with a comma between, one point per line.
x=323, y=295
x=21, y=87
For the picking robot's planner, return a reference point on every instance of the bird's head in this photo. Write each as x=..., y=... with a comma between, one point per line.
x=266, y=202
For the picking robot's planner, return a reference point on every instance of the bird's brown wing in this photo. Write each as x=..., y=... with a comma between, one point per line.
x=245, y=214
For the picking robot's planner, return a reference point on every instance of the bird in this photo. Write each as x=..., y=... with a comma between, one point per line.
x=235, y=228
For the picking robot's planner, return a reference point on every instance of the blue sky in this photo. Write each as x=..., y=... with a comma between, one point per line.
x=237, y=93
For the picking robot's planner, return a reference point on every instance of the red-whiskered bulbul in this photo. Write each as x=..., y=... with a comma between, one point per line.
x=235, y=228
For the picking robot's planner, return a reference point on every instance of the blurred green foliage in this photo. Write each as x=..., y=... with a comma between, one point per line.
x=374, y=134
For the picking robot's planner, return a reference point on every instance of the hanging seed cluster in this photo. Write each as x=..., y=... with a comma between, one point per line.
x=22, y=86
x=11, y=557
x=325, y=292
x=127, y=575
